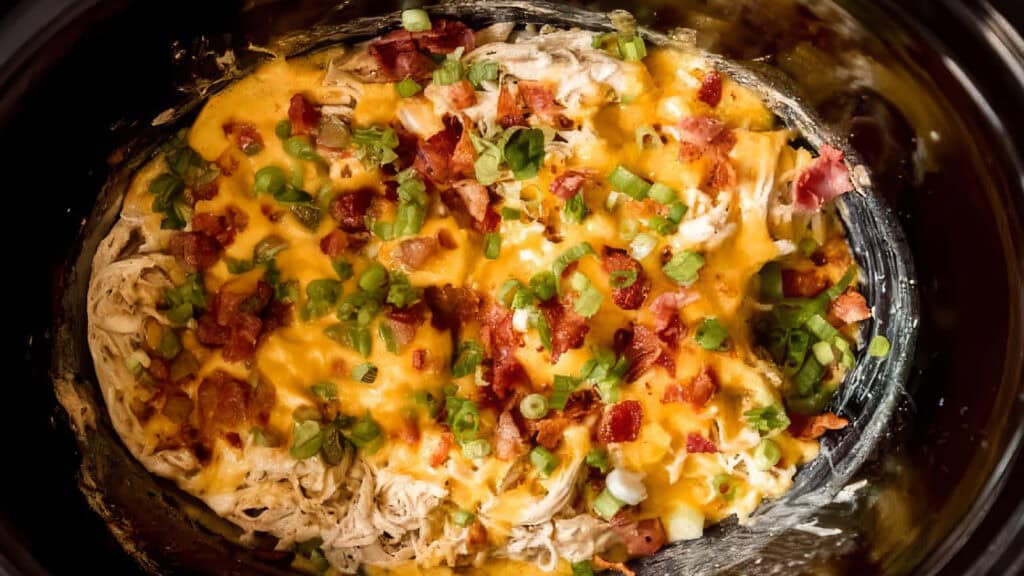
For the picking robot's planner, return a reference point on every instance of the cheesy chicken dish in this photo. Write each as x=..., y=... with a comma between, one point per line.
x=514, y=299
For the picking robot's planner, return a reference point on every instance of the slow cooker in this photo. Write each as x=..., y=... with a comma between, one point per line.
x=926, y=92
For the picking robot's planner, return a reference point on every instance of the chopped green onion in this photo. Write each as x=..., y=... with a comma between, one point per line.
x=334, y=445
x=575, y=209
x=375, y=146
x=823, y=353
x=269, y=180
x=307, y=215
x=543, y=285
x=663, y=226
x=321, y=295
x=488, y=161
x=599, y=459
x=533, y=406
x=524, y=152
x=283, y=129
x=469, y=356
x=582, y=569
x=820, y=327
x=684, y=267
x=543, y=330
x=170, y=344
x=808, y=377
x=449, y=72
x=647, y=136
x=366, y=434
x=767, y=418
x=676, y=211
x=365, y=373
x=388, y=336
x=844, y=347
x=606, y=505
x=588, y=298
x=343, y=269
x=401, y=292
x=879, y=346
x=415, y=20
x=662, y=194
x=571, y=255
x=597, y=42
x=632, y=49
x=476, y=449
x=725, y=486
x=771, y=282
x=844, y=282
x=384, y=230
x=642, y=245
x=301, y=147
x=408, y=87
x=463, y=518
x=711, y=335
x=620, y=279
x=326, y=390
x=562, y=388
x=767, y=454
x=510, y=213
x=492, y=245
x=306, y=440
x=376, y=276
x=482, y=71
x=608, y=390
x=523, y=298
x=807, y=246
x=622, y=180
x=543, y=460
x=796, y=350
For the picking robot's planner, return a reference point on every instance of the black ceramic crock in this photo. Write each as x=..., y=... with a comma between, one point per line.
x=934, y=112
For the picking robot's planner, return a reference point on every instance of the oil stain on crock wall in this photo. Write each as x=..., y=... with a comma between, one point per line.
x=923, y=152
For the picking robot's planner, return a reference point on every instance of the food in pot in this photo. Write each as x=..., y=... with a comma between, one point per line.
x=525, y=299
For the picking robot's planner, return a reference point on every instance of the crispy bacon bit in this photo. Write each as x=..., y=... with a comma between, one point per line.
x=440, y=453
x=245, y=136
x=568, y=329
x=451, y=306
x=334, y=243
x=550, y=431
x=630, y=297
x=474, y=197
x=501, y=340
x=402, y=54
x=850, y=307
x=803, y=283
x=569, y=183
x=349, y=209
x=603, y=565
x=404, y=322
x=642, y=537
x=667, y=305
x=823, y=180
x=461, y=94
x=710, y=91
x=409, y=430
x=696, y=392
x=222, y=227
x=811, y=427
x=508, y=440
x=581, y=405
x=621, y=422
x=419, y=359
x=696, y=444
x=262, y=401
x=644, y=350
x=700, y=136
x=539, y=99
x=510, y=112
x=207, y=191
x=447, y=155
x=222, y=402
x=195, y=250
x=303, y=115
x=414, y=253
x=476, y=536
x=234, y=321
